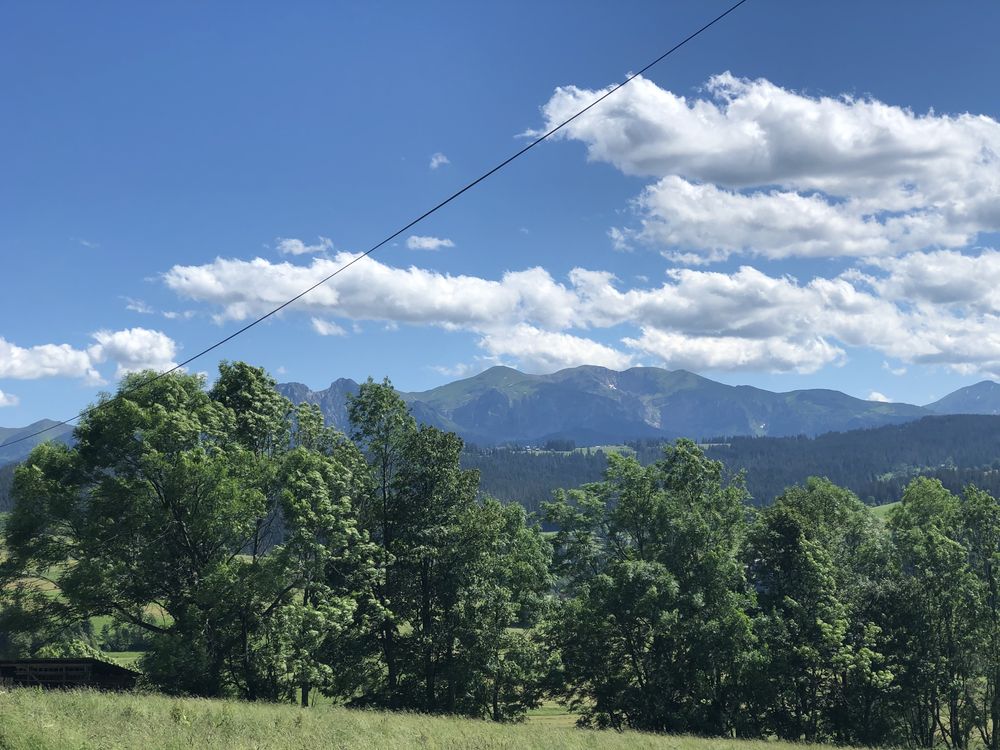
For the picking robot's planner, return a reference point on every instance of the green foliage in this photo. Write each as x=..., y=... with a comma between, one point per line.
x=816, y=559
x=652, y=632
x=74, y=649
x=875, y=464
x=250, y=551
x=455, y=573
x=183, y=513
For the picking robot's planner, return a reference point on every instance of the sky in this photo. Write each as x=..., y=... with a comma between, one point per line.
x=805, y=196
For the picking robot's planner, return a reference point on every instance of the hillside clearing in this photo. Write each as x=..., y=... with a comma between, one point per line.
x=83, y=720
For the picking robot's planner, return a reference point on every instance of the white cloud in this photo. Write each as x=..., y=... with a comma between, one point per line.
x=697, y=319
x=946, y=277
x=897, y=371
x=467, y=369
x=545, y=351
x=415, y=242
x=675, y=213
x=876, y=396
x=621, y=239
x=775, y=353
x=8, y=399
x=291, y=246
x=327, y=328
x=130, y=349
x=139, y=306
x=45, y=360
x=134, y=349
x=438, y=160
x=375, y=291
x=791, y=174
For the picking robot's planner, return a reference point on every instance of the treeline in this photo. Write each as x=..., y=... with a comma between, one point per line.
x=809, y=620
x=530, y=478
x=267, y=557
x=875, y=464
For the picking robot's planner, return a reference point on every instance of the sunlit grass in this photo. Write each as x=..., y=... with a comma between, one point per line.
x=84, y=720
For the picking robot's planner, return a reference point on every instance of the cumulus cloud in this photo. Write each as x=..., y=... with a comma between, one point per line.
x=876, y=396
x=45, y=360
x=776, y=354
x=415, y=242
x=791, y=174
x=746, y=168
x=945, y=277
x=291, y=246
x=8, y=399
x=439, y=160
x=675, y=213
x=327, y=327
x=545, y=351
x=698, y=319
x=375, y=291
x=130, y=349
x=134, y=349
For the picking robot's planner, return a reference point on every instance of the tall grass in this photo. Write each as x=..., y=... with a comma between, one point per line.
x=85, y=720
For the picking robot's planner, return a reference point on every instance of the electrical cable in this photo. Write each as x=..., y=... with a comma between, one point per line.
x=394, y=235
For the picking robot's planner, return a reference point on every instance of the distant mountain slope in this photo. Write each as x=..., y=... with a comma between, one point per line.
x=11, y=454
x=594, y=405
x=874, y=463
x=332, y=401
x=981, y=398
x=17, y=451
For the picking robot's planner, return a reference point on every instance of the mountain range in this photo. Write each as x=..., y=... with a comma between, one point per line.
x=595, y=405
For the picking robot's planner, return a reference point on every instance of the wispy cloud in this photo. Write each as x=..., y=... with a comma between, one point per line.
x=415, y=242
x=138, y=305
x=438, y=160
x=894, y=370
x=292, y=246
x=327, y=328
x=8, y=399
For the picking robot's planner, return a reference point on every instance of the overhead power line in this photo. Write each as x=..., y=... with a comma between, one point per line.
x=394, y=235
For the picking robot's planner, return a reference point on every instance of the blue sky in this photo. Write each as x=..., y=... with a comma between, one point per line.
x=820, y=209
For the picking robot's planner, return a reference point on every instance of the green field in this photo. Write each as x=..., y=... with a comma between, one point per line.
x=882, y=511
x=35, y=720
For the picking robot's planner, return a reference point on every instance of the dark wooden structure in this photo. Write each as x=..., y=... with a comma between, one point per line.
x=67, y=673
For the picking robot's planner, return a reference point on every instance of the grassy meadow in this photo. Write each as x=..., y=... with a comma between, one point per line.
x=85, y=720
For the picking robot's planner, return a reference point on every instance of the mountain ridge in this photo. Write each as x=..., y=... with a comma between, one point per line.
x=980, y=398
x=592, y=404
x=596, y=405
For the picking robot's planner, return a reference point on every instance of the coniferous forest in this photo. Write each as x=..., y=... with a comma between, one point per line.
x=876, y=464
x=255, y=553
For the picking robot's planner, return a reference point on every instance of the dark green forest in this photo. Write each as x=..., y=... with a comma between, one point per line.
x=250, y=551
x=875, y=464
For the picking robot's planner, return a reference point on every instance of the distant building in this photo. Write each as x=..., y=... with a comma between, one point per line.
x=66, y=673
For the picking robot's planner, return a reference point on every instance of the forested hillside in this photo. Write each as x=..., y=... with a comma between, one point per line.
x=876, y=464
